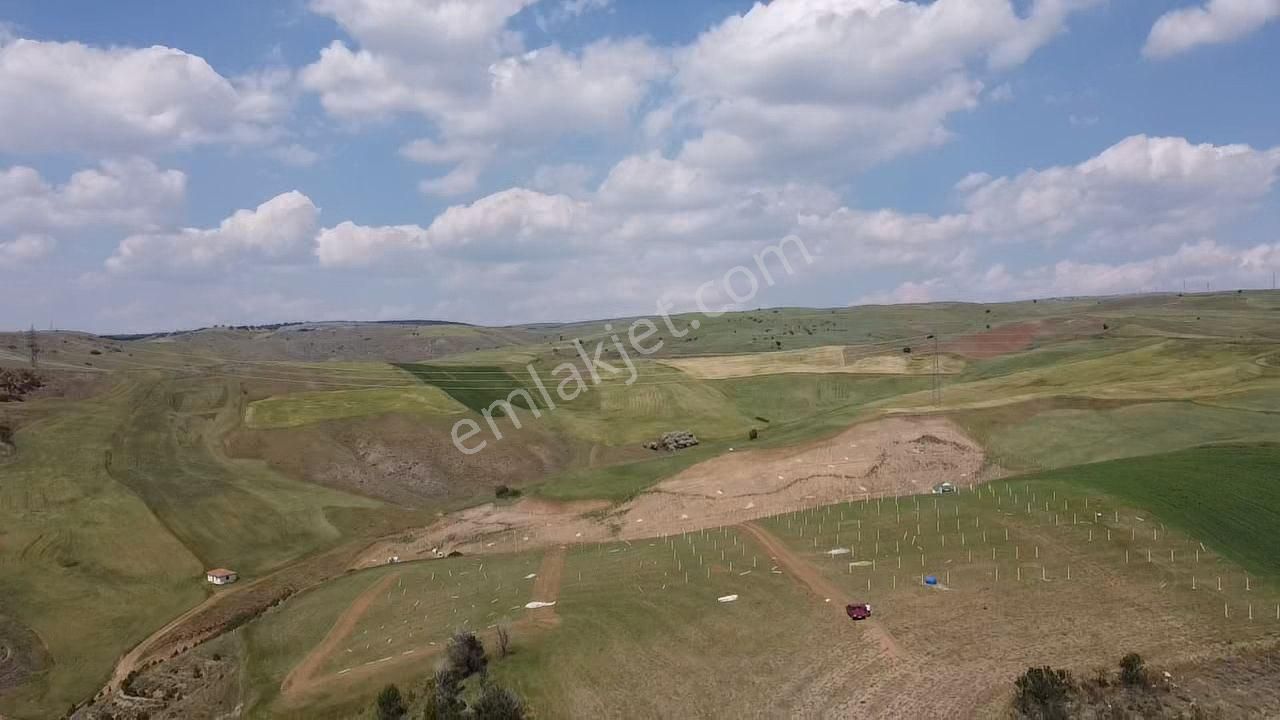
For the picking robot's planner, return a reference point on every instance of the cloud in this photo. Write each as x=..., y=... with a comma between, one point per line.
x=1139, y=194
x=279, y=230
x=24, y=249
x=474, y=80
x=1214, y=22
x=818, y=86
x=1197, y=264
x=130, y=193
x=70, y=97
x=295, y=155
x=350, y=245
x=1142, y=189
x=567, y=178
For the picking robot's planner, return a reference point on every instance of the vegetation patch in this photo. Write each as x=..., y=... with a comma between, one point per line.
x=475, y=386
x=304, y=408
x=1227, y=496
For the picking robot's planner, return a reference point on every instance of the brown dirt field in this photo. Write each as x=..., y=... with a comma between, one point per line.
x=1016, y=337
x=891, y=456
x=831, y=595
x=995, y=342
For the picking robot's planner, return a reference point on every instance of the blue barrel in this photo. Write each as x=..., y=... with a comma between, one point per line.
x=930, y=579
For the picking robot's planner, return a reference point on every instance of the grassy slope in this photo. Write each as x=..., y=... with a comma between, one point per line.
x=228, y=513
x=83, y=561
x=304, y=408
x=1229, y=496
x=113, y=508
x=1075, y=433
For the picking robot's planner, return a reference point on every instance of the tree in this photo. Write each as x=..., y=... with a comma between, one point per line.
x=497, y=703
x=466, y=654
x=753, y=434
x=1043, y=693
x=1133, y=672
x=390, y=704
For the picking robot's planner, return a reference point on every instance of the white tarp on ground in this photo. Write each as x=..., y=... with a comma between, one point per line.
x=539, y=604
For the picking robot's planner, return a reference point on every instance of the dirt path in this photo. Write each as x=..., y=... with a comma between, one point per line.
x=830, y=593
x=303, y=677
x=546, y=588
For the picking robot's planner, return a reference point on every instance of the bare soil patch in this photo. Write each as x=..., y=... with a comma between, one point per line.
x=891, y=456
x=1017, y=337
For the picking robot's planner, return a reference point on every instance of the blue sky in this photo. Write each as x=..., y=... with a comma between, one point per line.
x=500, y=161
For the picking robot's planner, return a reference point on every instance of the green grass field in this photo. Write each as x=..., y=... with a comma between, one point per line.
x=475, y=386
x=1228, y=496
x=305, y=408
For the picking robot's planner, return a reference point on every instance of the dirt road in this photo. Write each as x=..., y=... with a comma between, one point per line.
x=305, y=679
x=831, y=595
x=303, y=676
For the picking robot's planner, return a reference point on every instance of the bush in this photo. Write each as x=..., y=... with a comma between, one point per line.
x=1043, y=693
x=503, y=491
x=466, y=654
x=443, y=699
x=753, y=434
x=497, y=703
x=1133, y=671
x=390, y=704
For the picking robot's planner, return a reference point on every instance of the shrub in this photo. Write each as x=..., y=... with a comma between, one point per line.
x=444, y=697
x=466, y=654
x=390, y=704
x=503, y=491
x=753, y=434
x=1043, y=693
x=1133, y=671
x=497, y=703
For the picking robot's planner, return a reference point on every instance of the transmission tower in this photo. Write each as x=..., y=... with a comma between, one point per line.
x=33, y=344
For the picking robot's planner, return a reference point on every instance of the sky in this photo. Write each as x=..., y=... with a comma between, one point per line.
x=178, y=165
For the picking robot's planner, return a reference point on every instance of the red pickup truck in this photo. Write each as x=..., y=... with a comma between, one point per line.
x=858, y=611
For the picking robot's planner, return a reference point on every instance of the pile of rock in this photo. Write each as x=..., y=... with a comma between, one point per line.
x=673, y=441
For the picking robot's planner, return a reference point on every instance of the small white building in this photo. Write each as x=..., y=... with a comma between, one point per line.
x=221, y=576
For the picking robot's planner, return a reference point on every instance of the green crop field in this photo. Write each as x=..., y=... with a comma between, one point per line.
x=475, y=386
x=1228, y=496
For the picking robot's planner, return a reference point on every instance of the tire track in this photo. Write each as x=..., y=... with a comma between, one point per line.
x=820, y=586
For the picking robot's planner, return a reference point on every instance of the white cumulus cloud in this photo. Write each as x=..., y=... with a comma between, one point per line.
x=68, y=96
x=1214, y=22
x=281, y=229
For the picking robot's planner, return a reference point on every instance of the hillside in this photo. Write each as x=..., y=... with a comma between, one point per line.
x=296, y=453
